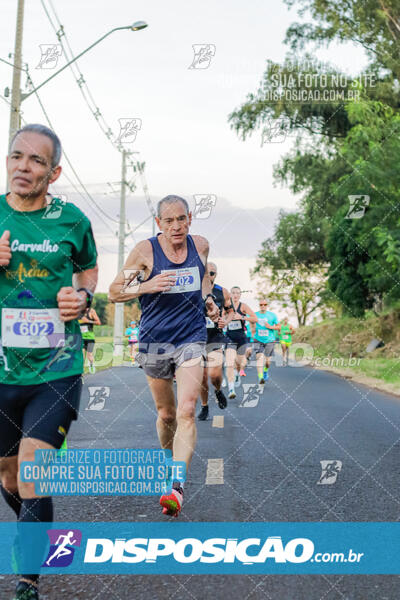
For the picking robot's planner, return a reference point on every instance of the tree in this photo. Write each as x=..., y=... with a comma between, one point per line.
x=374, y=24
x=300, y=289
x=297, y=241
x=292, y=268
x=364, y=252
x=346, y=148
x=100, y=302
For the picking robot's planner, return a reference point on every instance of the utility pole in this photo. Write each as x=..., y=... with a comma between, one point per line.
x=17, y=68
x=119, y=306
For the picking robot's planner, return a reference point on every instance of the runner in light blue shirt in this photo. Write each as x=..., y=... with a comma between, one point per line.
x=265, y=339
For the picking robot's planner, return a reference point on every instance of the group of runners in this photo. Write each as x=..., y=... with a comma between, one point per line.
x=48, y=275
x=231, y=341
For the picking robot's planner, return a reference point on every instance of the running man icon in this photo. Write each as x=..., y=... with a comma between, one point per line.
x=62, y=549
x=63, y=543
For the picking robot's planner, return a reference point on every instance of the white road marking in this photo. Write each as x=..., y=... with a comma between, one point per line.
x=215, y=471
x=218, y=421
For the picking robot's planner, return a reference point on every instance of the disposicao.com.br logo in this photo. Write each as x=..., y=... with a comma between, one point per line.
x=213, y=550
x=204, y=548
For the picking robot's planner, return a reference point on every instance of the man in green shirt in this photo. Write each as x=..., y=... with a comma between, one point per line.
x=87, y=323
x=285, y=338
x=44, y=244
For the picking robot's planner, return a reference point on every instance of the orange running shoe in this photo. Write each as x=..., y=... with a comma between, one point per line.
x=172, y=503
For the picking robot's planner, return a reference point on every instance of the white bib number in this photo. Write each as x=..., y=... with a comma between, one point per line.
x=263, y=332
x=186, y=280
x=209, y=324
x=84, y=329
x=234, y=325
x=32, y=328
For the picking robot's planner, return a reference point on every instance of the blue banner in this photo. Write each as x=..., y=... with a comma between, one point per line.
x=200, y=548
x=102, y=472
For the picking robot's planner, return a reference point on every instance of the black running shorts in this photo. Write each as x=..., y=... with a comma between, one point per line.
x=43, y=411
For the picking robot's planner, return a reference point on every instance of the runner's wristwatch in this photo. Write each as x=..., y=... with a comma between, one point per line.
x=89, y=296
x=209, y=296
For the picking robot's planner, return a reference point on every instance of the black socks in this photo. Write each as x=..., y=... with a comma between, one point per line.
x=13, y=499
x=36, y=510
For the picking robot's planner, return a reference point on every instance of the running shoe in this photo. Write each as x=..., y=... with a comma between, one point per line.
x=222, y=401
x=26, y=591
x=172, y=503
x=242, y=373
x=203, y=414
x=232, y=394
x=92, y=368
x=266, y=376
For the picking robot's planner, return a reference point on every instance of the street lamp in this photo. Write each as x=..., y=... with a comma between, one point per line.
x=139, y=25
x=135, y=27
x=17, y=97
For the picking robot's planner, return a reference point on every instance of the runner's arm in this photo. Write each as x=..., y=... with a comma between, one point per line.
x=95, y=319
x=133, y=281
x=203, y=249
x=277, y=325
x=227, y=310
x=250, y=314
x=72, y=303
x=131, y=275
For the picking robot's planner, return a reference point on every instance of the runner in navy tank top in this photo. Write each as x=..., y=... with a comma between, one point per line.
x=236, y=350
x=216, y=342
x=167, y=274
x=177, y=316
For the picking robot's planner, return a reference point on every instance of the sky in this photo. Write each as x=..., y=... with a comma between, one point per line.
x=184, y=135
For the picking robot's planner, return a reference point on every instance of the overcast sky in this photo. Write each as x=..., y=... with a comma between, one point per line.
x=184, y=137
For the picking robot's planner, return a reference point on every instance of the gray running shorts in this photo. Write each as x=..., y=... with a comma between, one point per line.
x=264, y=348
x=163, y=366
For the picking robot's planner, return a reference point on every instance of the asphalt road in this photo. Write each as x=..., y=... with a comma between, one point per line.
x=271, y=445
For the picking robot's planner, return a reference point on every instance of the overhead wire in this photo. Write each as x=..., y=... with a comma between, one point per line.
x=92, y=104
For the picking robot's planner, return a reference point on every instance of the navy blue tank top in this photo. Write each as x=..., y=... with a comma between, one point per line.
x=175, y=317
x=237, y=329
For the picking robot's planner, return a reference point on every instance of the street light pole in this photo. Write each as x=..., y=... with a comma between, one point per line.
x=119, y=306
x=17, y=97
x=76, y=58
x=16, y=82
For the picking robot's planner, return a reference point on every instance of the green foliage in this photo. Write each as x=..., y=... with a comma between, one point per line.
x=291, y=266
x=100, y=302
x=347, y=146
x=365, y=252
x=297, y=241
x=374, y=24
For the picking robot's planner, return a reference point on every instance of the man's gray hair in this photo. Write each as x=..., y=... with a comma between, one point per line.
x=43, y=130
x=171, y=200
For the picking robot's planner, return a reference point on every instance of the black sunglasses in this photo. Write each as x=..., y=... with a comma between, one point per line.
x=212, y=273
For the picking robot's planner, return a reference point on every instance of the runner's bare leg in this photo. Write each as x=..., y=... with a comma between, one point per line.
x=163, y=395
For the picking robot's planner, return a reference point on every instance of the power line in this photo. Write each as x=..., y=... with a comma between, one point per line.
x=70, y=163
x=91, y=103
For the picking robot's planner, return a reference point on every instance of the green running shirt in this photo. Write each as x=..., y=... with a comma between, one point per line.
x=47, y=245
x=285, y=335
